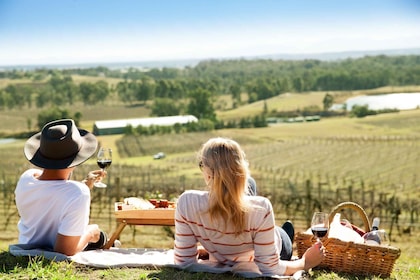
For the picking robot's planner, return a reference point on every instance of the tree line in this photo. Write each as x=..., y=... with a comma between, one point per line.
x=193, y=90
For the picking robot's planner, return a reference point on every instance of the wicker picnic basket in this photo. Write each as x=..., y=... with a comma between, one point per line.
x=350, y=257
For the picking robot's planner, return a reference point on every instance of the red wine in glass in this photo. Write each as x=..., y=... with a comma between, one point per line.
x=319, y=232
x=104, y=160
x=104, y=163
x=320, y=224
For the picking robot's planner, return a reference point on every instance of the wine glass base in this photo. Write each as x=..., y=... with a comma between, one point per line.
x=99, y=185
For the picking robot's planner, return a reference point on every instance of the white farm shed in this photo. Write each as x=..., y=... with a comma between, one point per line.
x=118, y=126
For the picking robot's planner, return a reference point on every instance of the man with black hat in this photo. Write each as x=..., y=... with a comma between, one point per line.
x=54, y=210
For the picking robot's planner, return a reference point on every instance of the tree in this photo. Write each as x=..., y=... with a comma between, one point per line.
x=86, y=91
x=162, y=88
x=298, y=84
x=164, y=107
x=16, y=96
x=264, y=89
x=101, y=91
x=145, y=90
x=235, y=91
x=201, y=105
x=361, y=111
x=201, y=125
x=259, y=121
x=328, y=101
x=124, y=92
x=93, y=93
x=63, y=90
x=5, y=100
x=44, y=97
x=53, y=114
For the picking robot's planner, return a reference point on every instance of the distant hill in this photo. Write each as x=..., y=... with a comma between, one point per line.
x=343, y=55
x=181, y=63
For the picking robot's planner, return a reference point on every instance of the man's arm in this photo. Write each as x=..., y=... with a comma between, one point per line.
x=70, y=245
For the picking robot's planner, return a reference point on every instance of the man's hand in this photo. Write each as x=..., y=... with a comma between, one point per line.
x=94, y=176
x=94, y=232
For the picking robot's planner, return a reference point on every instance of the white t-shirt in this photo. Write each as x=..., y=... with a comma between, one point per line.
x=48, y=207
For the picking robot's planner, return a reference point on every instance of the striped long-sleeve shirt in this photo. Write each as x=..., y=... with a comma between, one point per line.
x=258, y=243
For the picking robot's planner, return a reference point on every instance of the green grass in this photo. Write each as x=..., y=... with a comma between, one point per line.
x=40, y=268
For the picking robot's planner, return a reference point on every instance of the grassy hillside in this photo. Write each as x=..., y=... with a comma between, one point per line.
x=383, y=150
x=298, y=101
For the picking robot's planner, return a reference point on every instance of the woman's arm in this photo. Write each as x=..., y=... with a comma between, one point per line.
x=185, y=245
x=311, y=258
x=267, y=254
x=266, y=251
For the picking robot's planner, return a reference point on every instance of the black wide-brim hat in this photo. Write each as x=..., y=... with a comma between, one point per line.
x=60, y=145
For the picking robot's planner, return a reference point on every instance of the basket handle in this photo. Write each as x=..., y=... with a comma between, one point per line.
x=353, y=206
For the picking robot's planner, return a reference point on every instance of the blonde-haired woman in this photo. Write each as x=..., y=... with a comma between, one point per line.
x=234, y=228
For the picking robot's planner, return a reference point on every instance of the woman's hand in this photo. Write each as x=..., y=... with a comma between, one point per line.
x=314, y=255
x=202, y=253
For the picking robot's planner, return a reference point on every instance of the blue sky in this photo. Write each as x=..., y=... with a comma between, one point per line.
x=83, y=31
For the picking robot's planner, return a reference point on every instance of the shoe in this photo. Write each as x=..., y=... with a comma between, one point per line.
x=117, y=243
x=103, y=238
x=289, y=229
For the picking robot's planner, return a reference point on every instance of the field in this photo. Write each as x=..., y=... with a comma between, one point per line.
x=301, y=167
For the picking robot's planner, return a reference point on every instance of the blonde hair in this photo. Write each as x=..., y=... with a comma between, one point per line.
x=229, y=169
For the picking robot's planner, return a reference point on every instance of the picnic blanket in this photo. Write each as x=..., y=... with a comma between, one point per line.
x=142, y=257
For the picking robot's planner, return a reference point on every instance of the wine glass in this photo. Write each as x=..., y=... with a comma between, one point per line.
x=376, y=237
x=320, y=224
x=104, y=160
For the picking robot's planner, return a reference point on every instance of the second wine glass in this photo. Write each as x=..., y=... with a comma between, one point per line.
x=320, y=224
x=104, y=160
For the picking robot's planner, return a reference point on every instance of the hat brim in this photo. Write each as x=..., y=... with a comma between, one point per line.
x=88, y=148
